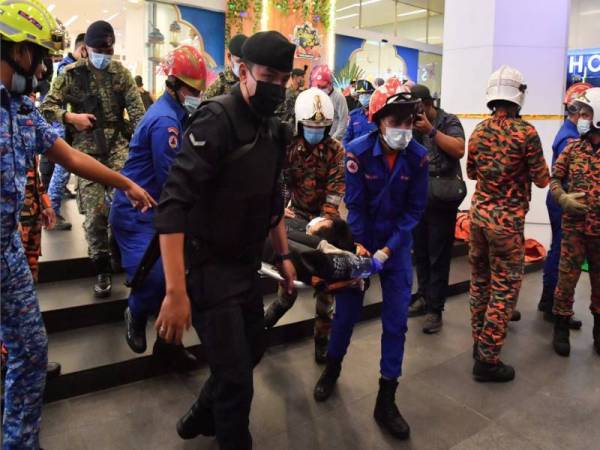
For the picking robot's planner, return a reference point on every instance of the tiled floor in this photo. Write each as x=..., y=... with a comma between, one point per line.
x=554, y=403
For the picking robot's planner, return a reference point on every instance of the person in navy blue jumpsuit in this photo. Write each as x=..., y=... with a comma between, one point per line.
x=152, y=149
x=567, y=133
x=358, y=122
x=386, y=194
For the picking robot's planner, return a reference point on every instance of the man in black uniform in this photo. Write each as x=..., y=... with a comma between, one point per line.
x=220, y=202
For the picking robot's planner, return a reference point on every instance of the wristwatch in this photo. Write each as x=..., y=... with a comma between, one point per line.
x=432, y=133
x=281, y=258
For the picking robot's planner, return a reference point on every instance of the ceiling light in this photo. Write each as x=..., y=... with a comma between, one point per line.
x=590, y=12
x=347, y=17
x=51, y=7
x=355, y=5
x=112, y=17
x=412, y=13
x=70, y=21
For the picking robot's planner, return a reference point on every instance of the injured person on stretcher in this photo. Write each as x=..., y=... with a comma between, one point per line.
x=323, y=254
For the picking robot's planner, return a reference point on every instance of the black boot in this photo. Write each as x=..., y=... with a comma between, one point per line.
x=597, y=332
x=199, y=420
x=547, y=300
x=515, y=316
x=135, y=332
x=326, y=383
x=386, y=412
x=52, y=370
x=103, y=286
x=574, y=323
x=321, y=344
x=174, y=355
x=495, y=373
x=560, y=340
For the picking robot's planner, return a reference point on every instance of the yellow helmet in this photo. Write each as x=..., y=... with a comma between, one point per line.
x=30, y=21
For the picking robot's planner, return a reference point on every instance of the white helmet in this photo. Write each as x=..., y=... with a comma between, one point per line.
x=506, y=83
x=314, y=108
x=591, y=98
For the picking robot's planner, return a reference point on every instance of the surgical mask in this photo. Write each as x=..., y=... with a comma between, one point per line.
x=583, y=126
x=99, y=60
x=267, y=97
x=397, y=138
x=235, y=68
x=313, y=135
x=191, y=103
x=364, y=99
x=313, y=222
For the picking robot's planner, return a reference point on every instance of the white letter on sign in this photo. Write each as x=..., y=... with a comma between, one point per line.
x=594, y=67
x=576, y=60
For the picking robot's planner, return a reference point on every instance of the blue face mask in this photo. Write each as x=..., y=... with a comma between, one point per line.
x=99, y=60
x=583, y=126
x=313, y=135
x=191, y=103
x=364, y=99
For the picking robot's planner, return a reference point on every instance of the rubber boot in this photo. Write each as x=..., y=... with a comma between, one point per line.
x=492, y=373
x=386, y=412
x=135, y=332
x=597, y=332
x=199, y=420
x=103, y=286
x=326, y=383
x=560, y=340
x=321, y=344
x=174, y=355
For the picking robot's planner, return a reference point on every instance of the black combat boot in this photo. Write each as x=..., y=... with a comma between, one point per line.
x=597, y=332
x=326, y=383
x=321, y=344
x=103, y=286
x=496, y=373
x=174, y=355
x=386, y=412
x=199, y=420
x=560, y=340
x=433, y=323
x=135, y=332
x=62, y=224
x=547, y=300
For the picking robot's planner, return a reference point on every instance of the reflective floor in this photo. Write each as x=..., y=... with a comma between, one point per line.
x=554, y=403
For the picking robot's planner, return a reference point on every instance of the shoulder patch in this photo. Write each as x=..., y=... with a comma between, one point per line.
x=352, y=166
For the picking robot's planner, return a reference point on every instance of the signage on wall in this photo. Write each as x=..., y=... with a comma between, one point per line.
x=583, y=65
x=306, y=38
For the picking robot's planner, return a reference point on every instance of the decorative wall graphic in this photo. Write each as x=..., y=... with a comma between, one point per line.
x=306, y=37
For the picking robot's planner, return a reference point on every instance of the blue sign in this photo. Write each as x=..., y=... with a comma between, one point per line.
x=583, y=65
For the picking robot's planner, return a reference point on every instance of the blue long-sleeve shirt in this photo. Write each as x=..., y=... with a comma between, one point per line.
x=152, y=149
x=384, y=205
x=358, y=125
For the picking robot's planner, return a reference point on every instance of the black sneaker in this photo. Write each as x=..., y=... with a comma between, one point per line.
x=62, y=224
x=199, y=420
x=494, y=373
x=418, y=307
x=327, y=381
x=433, y=323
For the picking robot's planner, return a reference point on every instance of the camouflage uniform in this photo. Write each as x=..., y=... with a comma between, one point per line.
x=222, y=85
x=315, y=180
x=286, y=111
x=23, y=133
x=578, y=170
x=30, y=218
x=505, y=155
x=116, y=91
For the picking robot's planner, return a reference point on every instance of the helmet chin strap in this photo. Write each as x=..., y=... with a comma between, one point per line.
x=29, y=75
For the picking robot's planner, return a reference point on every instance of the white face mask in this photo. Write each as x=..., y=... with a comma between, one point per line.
x=235, y=68
x=397, y=138
x=583, y=126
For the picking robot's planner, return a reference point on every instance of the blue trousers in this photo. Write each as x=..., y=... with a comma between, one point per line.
x=58, y=183
x=146, y=300
x=553, y=258
x=396, y=285
x=22, y=331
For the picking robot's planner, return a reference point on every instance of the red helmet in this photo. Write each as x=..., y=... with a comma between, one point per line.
x=574, y=91
x=321, y=77
x=391, y=93
x=186, y=63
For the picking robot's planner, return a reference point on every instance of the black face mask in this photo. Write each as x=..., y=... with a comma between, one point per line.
x=267, y=98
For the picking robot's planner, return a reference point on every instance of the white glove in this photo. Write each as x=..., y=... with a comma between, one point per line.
x=381, y=256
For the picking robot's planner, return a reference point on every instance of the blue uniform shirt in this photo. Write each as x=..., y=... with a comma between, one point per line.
x=69, y=59
x=23, y=133
x=384, y=205
x=358, y=126
x=566, y=133
x=152, y=149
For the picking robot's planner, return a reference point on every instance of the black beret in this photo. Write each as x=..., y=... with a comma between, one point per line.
x=100, y=34
x=421, y=91
x=236, y=43
x=271, y=49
